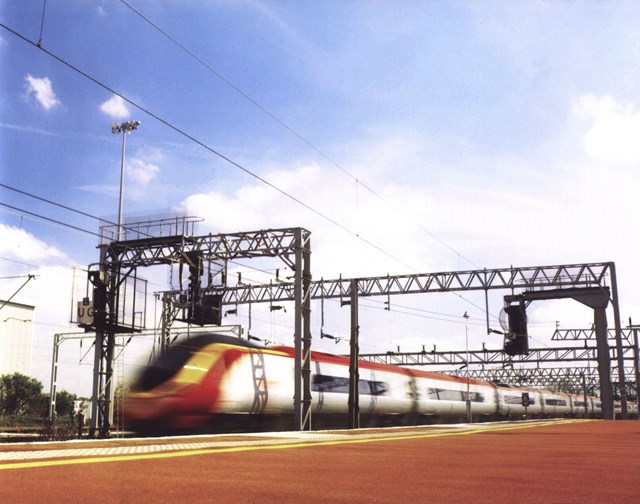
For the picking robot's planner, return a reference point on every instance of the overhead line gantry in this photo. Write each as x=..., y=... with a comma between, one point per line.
x=119, y=261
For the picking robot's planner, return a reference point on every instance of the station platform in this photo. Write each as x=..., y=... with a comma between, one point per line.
x=534, y=461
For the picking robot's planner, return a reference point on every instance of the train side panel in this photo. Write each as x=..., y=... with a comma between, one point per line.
x=510, y=402
x=448, y=399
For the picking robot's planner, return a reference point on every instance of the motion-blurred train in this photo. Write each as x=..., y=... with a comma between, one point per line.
x=214, y=383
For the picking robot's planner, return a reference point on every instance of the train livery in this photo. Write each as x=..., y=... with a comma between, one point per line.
x=214, y=383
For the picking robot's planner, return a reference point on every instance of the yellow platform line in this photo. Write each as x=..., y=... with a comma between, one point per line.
x=284, y=446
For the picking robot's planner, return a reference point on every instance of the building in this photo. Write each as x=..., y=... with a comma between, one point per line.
x=16, y=335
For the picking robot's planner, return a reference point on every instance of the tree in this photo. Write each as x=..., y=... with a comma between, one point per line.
x=64, y=403
x=18, y=394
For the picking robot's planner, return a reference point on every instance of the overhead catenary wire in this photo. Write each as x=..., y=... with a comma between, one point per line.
x=207, y=147
x=417, y=312
x=80, y=212
x=216, y=153
x=29, y=278
x=60, y=205
x=235, y=262
x=294, y=132
x=49, y=219
x=74, y=210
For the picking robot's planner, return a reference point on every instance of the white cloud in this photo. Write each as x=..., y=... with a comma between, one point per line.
x=361, y=218
x=42, y=91
x=614, y=130
x=141, y=171
x=19, y=245
x=115, y=107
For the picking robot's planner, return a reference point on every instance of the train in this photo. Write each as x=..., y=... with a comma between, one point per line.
x=216, y=383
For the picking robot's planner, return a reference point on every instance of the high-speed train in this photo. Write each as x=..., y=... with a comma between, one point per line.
x=214, y=383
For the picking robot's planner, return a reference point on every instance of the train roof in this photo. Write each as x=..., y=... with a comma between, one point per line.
x=344, y=361
x=201, y=340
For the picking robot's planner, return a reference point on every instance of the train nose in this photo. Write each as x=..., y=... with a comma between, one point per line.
x=144, y=411
x=140, y=409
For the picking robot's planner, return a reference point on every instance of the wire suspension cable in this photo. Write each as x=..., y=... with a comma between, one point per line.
x=49, y=219
x=292, y=131
x=44, y=7
x=206, y=147
x=217, y=153
x=29, y=278
x=31, y=195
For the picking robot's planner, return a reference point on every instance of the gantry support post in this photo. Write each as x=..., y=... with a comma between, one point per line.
x=616, y=320
x=354, y=372
x=604, y=364
x=302, y=336
x=99, y=281
x=636, y=360
x=596, y=298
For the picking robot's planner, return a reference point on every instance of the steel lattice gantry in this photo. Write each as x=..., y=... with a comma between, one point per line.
x=120, y=260
x=535, y=281
x=532, y=369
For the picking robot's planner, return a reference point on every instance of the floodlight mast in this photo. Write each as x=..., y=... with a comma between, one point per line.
x=124, y=128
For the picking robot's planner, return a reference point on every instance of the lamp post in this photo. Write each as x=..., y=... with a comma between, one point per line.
x=466, y=335
x=124, y=128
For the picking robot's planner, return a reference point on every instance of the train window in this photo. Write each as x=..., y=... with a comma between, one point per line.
x=555, y=402
x=324, y=383
x=450, y=395
x=513, y=399
x=340, y=385
x=473, y=397
x=579, y=404
x=378, y=388
x=432, y=393
x=444, y=394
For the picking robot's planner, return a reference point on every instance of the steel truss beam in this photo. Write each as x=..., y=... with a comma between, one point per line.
x=573, y=379
x=169, y=250
x=491, y=357
x=528, y=278
x=587, y=334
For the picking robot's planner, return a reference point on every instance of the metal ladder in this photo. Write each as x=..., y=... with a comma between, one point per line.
x=259, y=378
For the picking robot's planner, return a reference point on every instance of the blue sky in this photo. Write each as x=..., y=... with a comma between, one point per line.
x=492, y=133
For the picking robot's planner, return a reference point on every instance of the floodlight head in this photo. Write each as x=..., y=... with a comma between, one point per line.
x=130, y=126
x=115, y=128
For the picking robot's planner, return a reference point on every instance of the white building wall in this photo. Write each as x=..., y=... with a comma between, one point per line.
x=16, y=335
